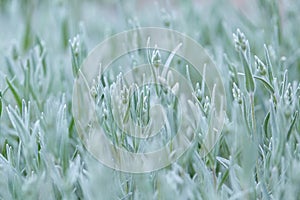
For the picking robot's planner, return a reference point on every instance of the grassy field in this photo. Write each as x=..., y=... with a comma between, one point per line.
x=256, y=48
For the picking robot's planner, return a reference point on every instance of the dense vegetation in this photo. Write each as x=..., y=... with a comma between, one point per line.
x=256, y=47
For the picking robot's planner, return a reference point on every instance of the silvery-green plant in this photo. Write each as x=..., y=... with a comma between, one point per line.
x=257, y=155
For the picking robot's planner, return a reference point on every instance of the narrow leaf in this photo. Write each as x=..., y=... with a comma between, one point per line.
x=250, y=85
x=266, y=123
x=266, y=84
x=269, y=64
x=15, y=93
x=225, y=176
x=292, y=125
x=0, y=103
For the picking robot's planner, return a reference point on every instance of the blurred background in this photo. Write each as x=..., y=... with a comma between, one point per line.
x=41, y=152
x=209, y=22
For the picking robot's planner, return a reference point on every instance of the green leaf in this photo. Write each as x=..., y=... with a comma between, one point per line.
x=27, y=37
x=246, y=116
x=266, y=84
x=1, y=103
x=126, y=117
x=26, y=69
x=75, y=67
x=269, y=64
x=0, y=106
x=9, y=66
x=15, y=93
x=292, y=125
x=266, y=123
x=65, y=32
x=225, y=176
x=250, y=85
x=4, y=148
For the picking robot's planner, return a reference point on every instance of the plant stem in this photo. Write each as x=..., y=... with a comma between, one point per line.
x=253, y=115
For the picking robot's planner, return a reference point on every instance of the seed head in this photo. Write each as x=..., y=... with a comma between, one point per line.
x=240, y=41
x=156, y=58
x=206, y=104
x=198, y=92
x=236, y=93
x=288, y=98
x=260, y=66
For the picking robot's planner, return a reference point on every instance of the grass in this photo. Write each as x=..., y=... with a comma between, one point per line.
x=42, y=46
